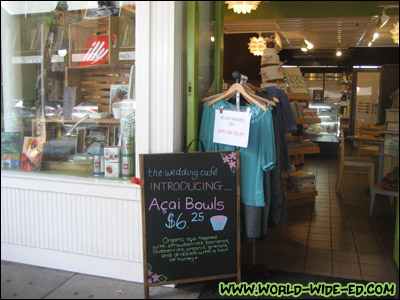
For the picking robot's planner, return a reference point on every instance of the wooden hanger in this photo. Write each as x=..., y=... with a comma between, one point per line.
x=255, y=88
x=208, y=98
x=258, y=89
x=237, y=87
x=259, y=98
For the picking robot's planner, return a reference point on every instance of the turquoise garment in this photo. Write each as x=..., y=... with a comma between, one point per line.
x=259, y=156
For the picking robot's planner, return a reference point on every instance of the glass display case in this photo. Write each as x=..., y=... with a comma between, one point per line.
x=327, y=89
x=328, y=130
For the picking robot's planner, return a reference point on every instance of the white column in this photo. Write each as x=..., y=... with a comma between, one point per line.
x=160, y=82
x=11, y=85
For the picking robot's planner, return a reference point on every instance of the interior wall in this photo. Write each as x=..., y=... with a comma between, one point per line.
x=237, y=57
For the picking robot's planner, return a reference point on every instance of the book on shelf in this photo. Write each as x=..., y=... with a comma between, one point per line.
x=305, y=189
x=301, y=175
x=392, y=126
x=303, y=182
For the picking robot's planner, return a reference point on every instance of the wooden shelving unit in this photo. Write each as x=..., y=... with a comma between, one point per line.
x=50, y=125
x=301, y=198
x=304, y=150
x=295, y=199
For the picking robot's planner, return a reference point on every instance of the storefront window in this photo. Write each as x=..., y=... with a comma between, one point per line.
x=68, y=87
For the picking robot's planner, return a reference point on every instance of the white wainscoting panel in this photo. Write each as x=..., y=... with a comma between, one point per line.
x=73, y=220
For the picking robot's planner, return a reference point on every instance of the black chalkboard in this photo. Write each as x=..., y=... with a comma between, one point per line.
x=190, y=211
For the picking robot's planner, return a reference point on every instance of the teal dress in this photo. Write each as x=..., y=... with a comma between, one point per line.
x=259, y=156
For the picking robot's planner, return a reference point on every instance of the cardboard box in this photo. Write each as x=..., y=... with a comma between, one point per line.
x=112, y=169
x=112, y=154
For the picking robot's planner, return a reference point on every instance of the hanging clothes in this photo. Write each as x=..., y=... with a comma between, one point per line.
x=276, y=215
x=285, y=120
x=259, y=156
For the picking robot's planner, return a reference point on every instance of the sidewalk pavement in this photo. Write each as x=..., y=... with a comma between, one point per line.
x=21, y=281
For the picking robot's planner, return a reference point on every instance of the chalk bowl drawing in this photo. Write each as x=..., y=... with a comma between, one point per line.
x=218, y=222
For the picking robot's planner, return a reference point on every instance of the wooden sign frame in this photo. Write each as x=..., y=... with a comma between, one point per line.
x=295, y=80
x=149, y=203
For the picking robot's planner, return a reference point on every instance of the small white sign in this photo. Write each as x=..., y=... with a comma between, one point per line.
x=78, y=57
x=35, y=59
x=232, y=127
x=127, y=55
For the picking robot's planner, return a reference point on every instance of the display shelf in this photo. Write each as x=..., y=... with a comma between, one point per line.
x=299, y=97
x=94, y=82
x=308, y=121
x=295, y=199
x=304, y=150
x=99, y=121
x=68, y=166
x=297, y=154
x=48, y=127
x=118, y=32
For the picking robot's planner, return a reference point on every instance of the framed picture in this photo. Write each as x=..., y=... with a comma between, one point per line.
x=10, y=150
x=96, y=137
x=32, y=150
x=318, y=95
x=102, y=9
x=118, y=93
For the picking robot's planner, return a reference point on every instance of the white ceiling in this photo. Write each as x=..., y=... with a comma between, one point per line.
x=324, y=33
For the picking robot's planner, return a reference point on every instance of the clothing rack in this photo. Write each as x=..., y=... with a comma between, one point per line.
x=242, y=79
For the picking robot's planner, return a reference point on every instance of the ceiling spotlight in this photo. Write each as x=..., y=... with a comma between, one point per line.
x=339, y=52
x=304, y=47
x=309, y=44
x=384, y=18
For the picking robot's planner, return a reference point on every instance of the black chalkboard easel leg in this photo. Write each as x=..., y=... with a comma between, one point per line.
x=255, y=268
x=146, y=291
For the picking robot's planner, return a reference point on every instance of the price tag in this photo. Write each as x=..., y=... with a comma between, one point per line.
x=232, y=127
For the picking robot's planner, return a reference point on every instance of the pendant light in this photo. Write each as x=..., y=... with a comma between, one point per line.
x=395, y=33
x=242, y=6
x=257, y=45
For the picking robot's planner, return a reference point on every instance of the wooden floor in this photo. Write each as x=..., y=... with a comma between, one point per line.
x=335, y=237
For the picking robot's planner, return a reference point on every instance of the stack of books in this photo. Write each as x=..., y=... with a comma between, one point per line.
x=302, y=181
x=301, y=144
x=310, y=113
x=297, y=108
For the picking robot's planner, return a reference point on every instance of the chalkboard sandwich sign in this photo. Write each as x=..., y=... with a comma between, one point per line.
x=190, y=212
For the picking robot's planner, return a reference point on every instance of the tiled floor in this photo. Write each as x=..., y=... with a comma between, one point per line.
x=334, y=237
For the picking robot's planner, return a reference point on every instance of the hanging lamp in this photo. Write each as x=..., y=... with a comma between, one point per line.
x=395, y=33
x=257, y=45
x=242, y=6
